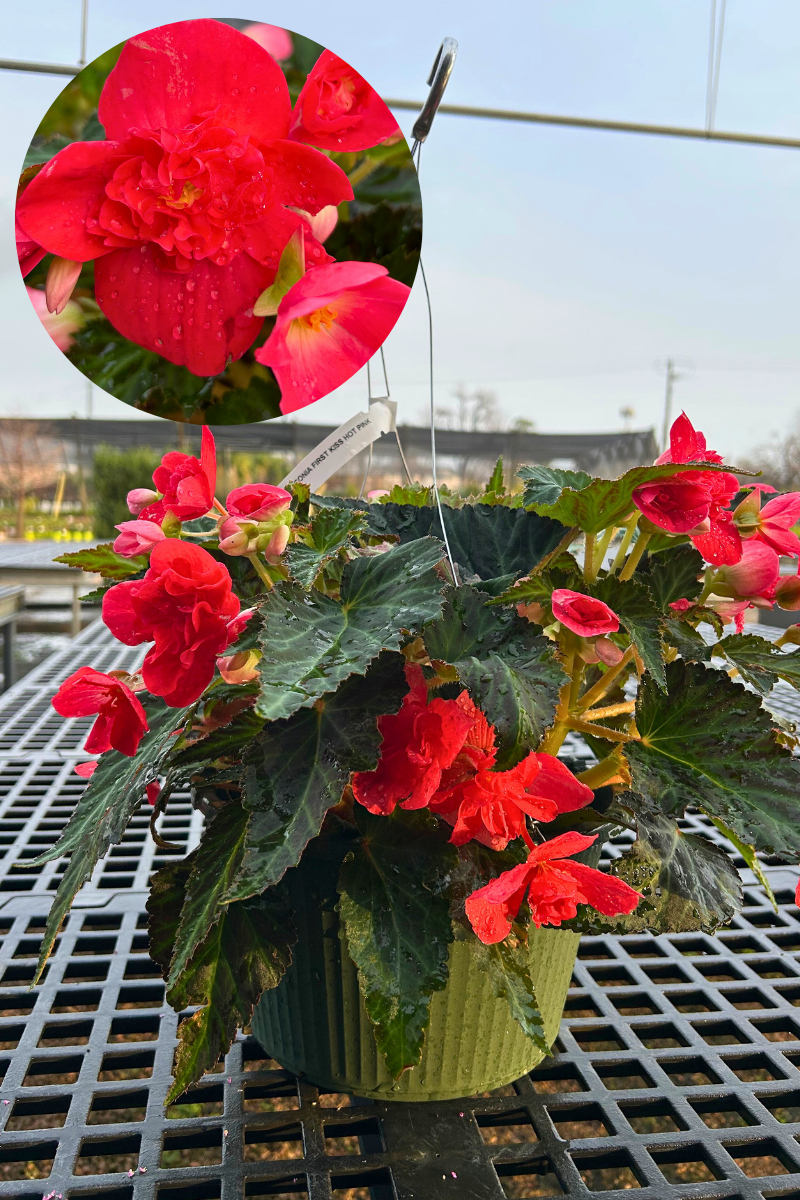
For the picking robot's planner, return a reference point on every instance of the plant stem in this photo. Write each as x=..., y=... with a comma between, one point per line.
x=260, y=570
x=630, y=527
x=611, y=710
x=588, y=558
x=220, y=507
x=611, y=735
x=634, y=556
x=554, y=739
x=601, y=687
x=600, y=550
x=602, y=772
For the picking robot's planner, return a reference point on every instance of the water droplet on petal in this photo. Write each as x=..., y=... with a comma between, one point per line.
x=178, y=332
x=159, y=342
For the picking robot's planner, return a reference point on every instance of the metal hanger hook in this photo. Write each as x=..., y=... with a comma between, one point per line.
x=437, y=81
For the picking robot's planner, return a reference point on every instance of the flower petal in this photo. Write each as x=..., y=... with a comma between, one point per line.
x=305, y=178
x=169, y=77
x=556, y=782
x=607, y=894
x=55, y=205
x=195, y=319
x=561, y=846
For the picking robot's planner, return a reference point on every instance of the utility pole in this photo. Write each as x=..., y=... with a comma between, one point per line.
x=672, y=378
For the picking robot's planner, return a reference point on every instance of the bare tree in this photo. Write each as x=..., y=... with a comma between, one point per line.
x=473, y=411
x=779, y=461
x=29, y=460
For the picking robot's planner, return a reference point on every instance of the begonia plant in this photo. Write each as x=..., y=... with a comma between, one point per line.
x=215, y=164
x=326, y=681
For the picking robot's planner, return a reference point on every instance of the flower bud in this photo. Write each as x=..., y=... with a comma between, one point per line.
x=137, y=537
x=239, y=668
x=275, y=543
x=258, y=502
x=233, y=539
x=171, y=525
x=787, y=593
x=139, y=498
x=61, y=279
x=608, y=652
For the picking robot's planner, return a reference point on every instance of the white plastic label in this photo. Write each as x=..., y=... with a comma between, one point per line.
x=343, y=444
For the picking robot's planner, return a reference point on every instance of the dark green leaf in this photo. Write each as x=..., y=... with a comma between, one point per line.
x=396, y=915
x=217, y=861
x=687, y=882
x=690, y=644
x=506, y=964
x=592, y=504
x=674, y=574
x=226, y=742
x=759, y=662
x=297, y=769
x=104, y=560
x=102, y=813
x=331, y=530
x=246, y=952
x=538, y=587
x=639, y=616
x=708, y=742
x=164, y=904
x=312, y=642
x=509, y=670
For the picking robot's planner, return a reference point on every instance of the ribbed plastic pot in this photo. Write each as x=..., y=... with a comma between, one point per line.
x=315, y=1024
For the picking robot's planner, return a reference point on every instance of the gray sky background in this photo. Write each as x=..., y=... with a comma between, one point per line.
x=565, y=266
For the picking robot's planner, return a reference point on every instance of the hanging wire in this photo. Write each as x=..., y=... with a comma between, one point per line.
x=715, y=36
x=417, y=149
x=84, y=28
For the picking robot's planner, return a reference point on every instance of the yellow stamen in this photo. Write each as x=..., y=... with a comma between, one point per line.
x=187, y=197
x=321, y=317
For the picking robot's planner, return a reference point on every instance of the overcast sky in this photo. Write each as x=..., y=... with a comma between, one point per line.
x=565, y=266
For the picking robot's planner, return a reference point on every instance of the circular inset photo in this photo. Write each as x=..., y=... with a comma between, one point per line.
x=218, y=221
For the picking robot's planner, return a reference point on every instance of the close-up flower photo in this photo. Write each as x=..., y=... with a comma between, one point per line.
x=218, y=224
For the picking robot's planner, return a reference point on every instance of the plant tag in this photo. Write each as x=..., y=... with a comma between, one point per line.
x=343, y=444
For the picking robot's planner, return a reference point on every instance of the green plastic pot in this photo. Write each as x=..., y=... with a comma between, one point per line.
x=315, y=1024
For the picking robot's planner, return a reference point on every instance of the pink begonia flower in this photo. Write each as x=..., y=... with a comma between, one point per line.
x=755, y=576
x=583, y=614
x=329, y=325
x=772, y=523
x=29, y=252
x=137, y=537
x=184, y=208
x=257, y=501
x=139, y=498
x=61, y=279
x=61, y=326
x=275, y=40
x=338, y=110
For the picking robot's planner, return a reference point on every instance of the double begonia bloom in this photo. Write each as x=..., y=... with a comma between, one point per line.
x=419, y=743
x=584, y=615
x=188, y=204
x=554, y=888
x=338, y=110
x=694, y=502
x=137, y=537
x=329, y=324
x=187, y=484
x=121, y=722
x=257, y=501
x=772, y=523
x=184, y=605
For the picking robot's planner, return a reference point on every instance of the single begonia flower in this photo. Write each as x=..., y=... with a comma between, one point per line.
x=772, y=523
x=187, y=484
x=61, y=326
x=185, y=209
x=257, y=501
x=584, y=615
x=137, y=537
x=754, y=577
x=275, y=40
x=121, y=722
x=184, y=605
x=338, y=110
x=687, y=444
x=329, y=325
x=419, y=743
x=554, y=888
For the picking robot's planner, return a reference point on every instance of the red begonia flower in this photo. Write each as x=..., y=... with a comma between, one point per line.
x=584, y=615
x=687, y=444
x=137, y=537
x=153, y=791
x=187, y=484
x=29, y=252
x=186, y=206
x=677, y=504
x=184, y=605
x=121, y=723
x=419, y=743
x=329, y=324
x=338, y=110
x=772, y=523
x=554, y=887
x=257, y=501
x=86, y=769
